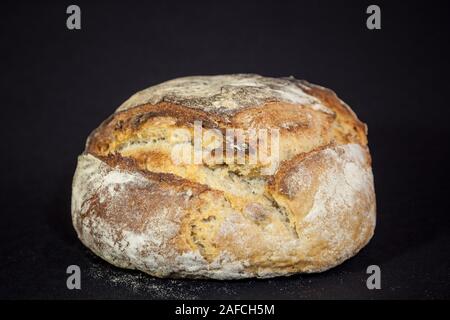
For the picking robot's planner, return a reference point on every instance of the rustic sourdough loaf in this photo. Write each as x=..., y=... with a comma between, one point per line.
x=136, y=208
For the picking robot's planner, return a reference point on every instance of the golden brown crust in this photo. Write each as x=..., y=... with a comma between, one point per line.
x=348, y=128
x=116, y=161
x=122, y=125
x=226, y=221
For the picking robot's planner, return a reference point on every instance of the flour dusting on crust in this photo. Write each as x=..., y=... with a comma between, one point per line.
x=225, y=93
x=147, y=246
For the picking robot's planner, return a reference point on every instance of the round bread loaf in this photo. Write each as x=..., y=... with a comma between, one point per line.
x=137, y=206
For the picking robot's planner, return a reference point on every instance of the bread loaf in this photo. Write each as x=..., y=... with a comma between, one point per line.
x=137, y=206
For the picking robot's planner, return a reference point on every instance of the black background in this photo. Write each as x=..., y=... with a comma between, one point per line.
x=57, y=85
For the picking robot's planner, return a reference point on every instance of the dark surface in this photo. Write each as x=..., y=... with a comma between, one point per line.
x=57, y=85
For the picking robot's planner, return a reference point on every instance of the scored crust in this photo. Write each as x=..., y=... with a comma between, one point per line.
x=135, y=208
